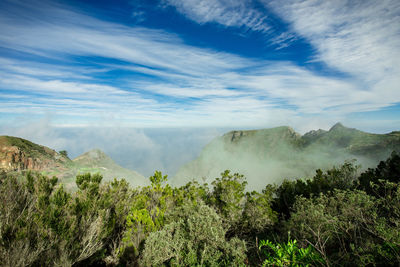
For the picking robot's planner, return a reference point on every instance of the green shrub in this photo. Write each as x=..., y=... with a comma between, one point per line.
x=342, y=177
x=289, y=254
x=146, y=215
x=228, y=198
x=194, y=237
x=346, y=228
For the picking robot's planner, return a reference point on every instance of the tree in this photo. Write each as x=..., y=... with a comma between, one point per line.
x=342, y=177
x=23, y=239
x=63, y=153
x=388, y=170
x=228, y=198
x=146, y=215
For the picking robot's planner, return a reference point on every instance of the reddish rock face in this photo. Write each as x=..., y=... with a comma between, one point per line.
x=13, y=159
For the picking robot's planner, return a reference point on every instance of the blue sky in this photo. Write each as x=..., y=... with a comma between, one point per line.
x=201, y=63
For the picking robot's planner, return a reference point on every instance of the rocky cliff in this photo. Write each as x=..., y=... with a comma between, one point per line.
x=17, y=154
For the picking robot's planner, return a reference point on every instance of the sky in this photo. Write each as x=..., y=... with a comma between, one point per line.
x=201, y=63
x=204, y=65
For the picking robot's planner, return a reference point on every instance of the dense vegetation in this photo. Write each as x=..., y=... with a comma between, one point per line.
x=336, y=218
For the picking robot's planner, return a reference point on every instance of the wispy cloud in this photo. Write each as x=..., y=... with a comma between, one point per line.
x=228, y=13
x=283, y=40
x=360, y=38
x=146, y=77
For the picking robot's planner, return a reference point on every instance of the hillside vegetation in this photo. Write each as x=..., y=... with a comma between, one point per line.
x=19, y=155
x=268, y=155
x=335, y=218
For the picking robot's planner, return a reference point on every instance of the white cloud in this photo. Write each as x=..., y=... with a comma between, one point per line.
x=185, y=85
x=229, y=13
x=283, y=40
x=359, y=38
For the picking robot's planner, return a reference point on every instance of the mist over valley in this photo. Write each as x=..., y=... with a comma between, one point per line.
x=264, y=156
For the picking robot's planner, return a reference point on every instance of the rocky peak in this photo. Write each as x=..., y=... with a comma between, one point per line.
x=236, y=135
x=314, y=133
x=292, y=132
x=337, y=126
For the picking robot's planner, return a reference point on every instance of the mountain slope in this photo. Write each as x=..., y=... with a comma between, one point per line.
x=277, y=153
x=20, y=154
x=17, y=154
x=97, y=161
x=356, y=142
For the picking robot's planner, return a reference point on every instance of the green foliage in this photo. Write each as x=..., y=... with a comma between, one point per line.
x=89, y=182
x=228, y=197
x=21, y=239
x=192, y=191
x=343, y=178
x=44, y=225
x=158, y=179
x=336, y=219
x=146, y=215
x=345, y=228
x=387, y=227
x=195, y=237
x=257, y=213
x=63, y=153
x=288, y=254
x=388, y=170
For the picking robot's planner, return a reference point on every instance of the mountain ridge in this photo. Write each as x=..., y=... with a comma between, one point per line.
x=281, y=152
x=18, y=154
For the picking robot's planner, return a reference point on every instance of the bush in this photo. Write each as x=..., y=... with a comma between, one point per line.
x=146, y=215
x=388, y=170
x=346, y=228
x=194, y=236
x=289, y=254
x=228, y=198
x=342, y=177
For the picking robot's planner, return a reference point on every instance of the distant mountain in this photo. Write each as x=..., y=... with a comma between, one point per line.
x=97, y=161
x=277, y=153
x=17, y=155
x=374, y=146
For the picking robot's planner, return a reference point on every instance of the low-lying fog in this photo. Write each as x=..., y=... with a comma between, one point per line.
x=167, y=150
x=142, y=150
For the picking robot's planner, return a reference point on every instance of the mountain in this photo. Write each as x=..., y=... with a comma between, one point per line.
x=17, y=155
x=356, y=142
x=277, y=153
x=97, y=161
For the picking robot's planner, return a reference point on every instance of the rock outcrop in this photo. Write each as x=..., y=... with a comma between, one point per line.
x=13, y=159
x=17, y=154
